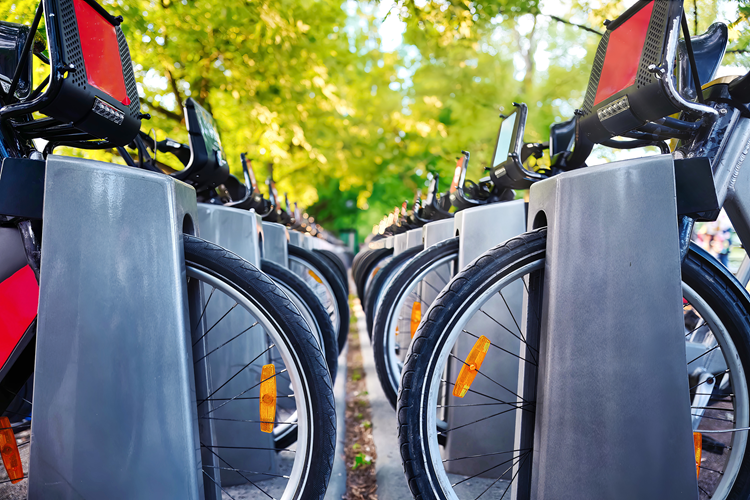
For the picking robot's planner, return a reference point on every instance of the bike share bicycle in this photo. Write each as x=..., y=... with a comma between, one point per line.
x=600, y=326
x=311, y=267
x=413, y=287
x=224, y=221
x=124, y=402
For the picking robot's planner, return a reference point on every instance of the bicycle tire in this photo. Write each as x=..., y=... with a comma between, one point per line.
x=381, y=280
x=392, y=296
x=336, y=286
x=328, y=338
x=366, y=268
x=337, y=265
x=260, y=290
x=718, y=289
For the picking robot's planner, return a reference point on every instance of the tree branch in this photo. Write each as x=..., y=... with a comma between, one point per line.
x=570, y=23
x=167, y=113
x=176, y=91
x=738, y=51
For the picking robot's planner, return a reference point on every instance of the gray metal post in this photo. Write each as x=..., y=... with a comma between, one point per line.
x=310, y=242
x=480, y=229
x=297, y=239
x=274, y=244
x=613, y=410
x=114, y=389
x=238, y=231
x=413, y=238
x=435, y=232
x=432, y=234
x=399, y=243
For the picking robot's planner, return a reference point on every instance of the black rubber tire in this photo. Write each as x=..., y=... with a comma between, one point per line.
x=357, y=258
x=339, y=292
x=337, y=264
x=699, y=271
x=366, y=267
x=423, y=260
x=315, y=307
x=261, y=290
x=381, y=280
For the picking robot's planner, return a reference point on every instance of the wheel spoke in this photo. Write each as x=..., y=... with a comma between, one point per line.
x=241, y=474
x=217, y=484
x=214, y=325
x=479, y=420
x=228, y=341
x=205, y=306
x=502, y=349
x=245, y=391
x=489, y=378
x=238, y=372
x=509, y=331
x=484, y=455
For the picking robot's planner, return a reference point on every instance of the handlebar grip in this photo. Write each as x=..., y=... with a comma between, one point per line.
x=740, y=89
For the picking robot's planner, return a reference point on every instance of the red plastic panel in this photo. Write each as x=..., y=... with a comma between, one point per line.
x=624, y=51
x=101, y=52
x=19, y=299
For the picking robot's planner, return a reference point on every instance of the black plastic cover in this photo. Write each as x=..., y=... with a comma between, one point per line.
x=22, y=188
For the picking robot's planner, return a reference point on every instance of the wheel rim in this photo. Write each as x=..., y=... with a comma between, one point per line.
x=297, y=476
x=430, y=396
x=399, y=316
x=320, y=286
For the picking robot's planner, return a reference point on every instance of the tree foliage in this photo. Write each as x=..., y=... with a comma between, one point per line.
x=352, y=130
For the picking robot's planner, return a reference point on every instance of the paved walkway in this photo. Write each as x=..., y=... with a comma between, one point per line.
x=337, y=484
x=390, y=476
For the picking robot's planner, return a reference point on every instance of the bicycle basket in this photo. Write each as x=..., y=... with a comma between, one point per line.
x=92, y=95
x=623, y=93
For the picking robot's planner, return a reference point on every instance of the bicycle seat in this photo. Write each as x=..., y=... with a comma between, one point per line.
x=708, y=50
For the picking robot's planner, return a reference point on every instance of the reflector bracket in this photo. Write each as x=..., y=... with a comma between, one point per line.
x=698, y=444
x=9, y=451
x=416, y=317
x=471, y=366
x=267, y=398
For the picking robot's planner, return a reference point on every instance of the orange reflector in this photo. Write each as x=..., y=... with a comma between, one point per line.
x=9, y=450
x=416, y=317
x=315, y=276
x=471, y=366
x=267, y=398
x=374, y=272
x=698, y=444
x=397, y=331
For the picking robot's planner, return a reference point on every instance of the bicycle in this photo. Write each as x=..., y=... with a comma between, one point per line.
x=715, y=304
x=214, y=276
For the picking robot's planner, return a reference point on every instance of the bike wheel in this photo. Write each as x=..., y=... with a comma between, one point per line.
x=367, y=267
x=381, y=281
x=231, y=299
x=326, y=284
x=310, y=307
x=336, y=264
x=412, y=291
x=426, y=403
